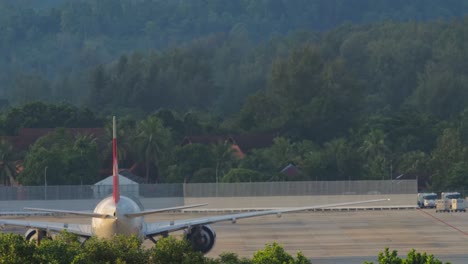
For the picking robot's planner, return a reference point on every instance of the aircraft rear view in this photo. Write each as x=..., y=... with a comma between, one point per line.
x=118, y=214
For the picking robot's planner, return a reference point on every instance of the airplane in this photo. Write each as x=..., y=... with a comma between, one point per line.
x=118, y=214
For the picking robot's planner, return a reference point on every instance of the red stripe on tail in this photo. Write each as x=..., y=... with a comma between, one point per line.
x=115, y=165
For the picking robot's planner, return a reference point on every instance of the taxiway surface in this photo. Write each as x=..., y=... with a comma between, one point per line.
x=335, y=237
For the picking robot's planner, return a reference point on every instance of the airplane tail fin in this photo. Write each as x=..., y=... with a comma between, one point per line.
x=115, y=165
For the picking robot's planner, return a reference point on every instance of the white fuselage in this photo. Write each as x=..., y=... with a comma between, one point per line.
x=118, y=222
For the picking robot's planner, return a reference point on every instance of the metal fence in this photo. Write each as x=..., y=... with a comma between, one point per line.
x=210, y=190
x=300, y=188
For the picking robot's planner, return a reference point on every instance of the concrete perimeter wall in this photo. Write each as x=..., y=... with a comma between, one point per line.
x=221, y=196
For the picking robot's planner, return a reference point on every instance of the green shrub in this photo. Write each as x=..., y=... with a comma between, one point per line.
x=173, y=251
x=120, y=249
x=275, y=254
x=61, y=250
x=413, y=257
x=16, y=249
x=231, y=258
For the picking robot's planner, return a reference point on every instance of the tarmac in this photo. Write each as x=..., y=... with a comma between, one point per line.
x=337, y=237
x=347, y=236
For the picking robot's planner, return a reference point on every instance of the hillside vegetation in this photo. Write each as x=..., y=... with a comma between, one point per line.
x=368, y=90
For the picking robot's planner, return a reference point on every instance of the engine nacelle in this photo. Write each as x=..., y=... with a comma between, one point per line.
x=32, y=235
x=202, y=238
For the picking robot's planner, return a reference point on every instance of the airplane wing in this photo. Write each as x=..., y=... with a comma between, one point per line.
x=158, y=228
x=79, y=213
x=96, y=215
x=155, y=211
x=79, y=229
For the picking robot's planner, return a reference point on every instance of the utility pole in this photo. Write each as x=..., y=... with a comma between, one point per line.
x=391, y=177
x=45, y=182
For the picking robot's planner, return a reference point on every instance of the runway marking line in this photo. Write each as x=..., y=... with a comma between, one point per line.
x=443, y=222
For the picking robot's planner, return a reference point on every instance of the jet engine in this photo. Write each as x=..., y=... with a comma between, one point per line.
x=32, y=235
x=202, y=238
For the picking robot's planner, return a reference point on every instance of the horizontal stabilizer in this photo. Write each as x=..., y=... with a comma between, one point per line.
x=146, y=212
x=78, y=229
x=80, y=213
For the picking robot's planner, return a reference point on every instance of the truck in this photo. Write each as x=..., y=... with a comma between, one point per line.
x=451, y=202
x=427, y=200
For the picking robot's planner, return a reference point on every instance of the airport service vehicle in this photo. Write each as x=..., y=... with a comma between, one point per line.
x=451, y=202
x=118, y=214
x=427, y=200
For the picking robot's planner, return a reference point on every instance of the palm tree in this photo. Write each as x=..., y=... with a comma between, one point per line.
x=375, y=150
x=374, y=144
x=124, y=135
x=8, y=163
x=338, y=151
x=86, y=146
x=152, y=140
x=223, y=153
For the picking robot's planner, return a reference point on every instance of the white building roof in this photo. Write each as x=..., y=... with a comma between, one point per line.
x=109, y=181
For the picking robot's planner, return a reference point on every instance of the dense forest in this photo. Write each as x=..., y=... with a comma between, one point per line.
x=57, y=42
x=351, y=89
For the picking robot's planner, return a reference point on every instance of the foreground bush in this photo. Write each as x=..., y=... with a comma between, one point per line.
x=66, y=249
x=15, y=249
x=413, y=257
x=173, y=251
x=275, y=254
